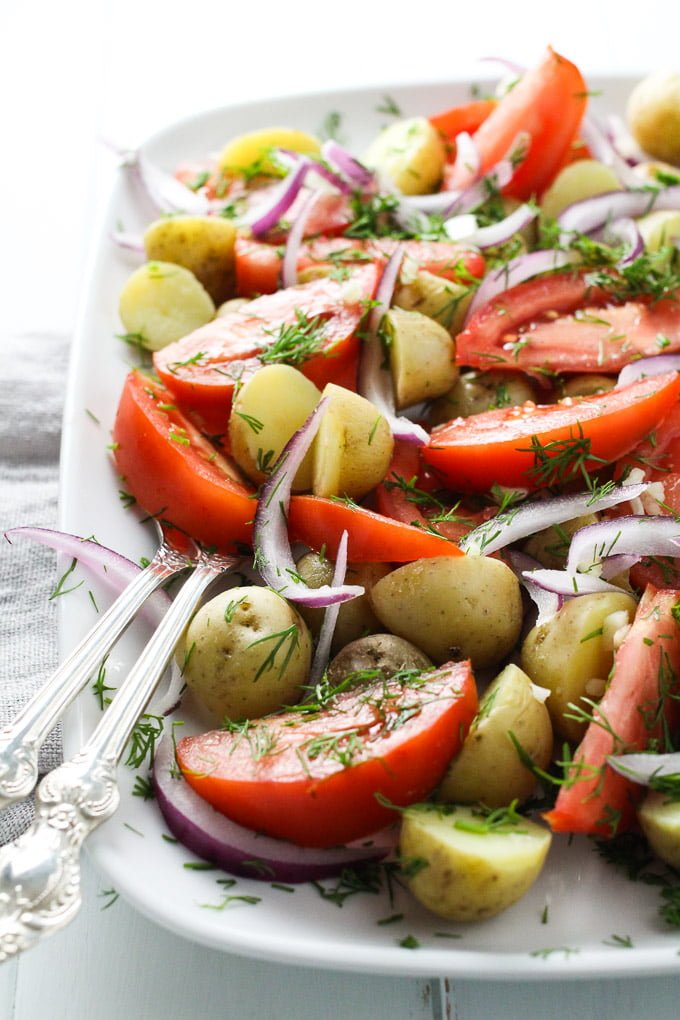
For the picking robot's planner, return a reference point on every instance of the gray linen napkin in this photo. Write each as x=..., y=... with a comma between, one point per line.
x=31, y=399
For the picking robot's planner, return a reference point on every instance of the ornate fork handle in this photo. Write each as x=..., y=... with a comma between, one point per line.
x=40, y=871
x=20, y=740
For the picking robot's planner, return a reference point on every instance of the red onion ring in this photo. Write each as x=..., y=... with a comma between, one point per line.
x=347, y=164
x=494, y=180
x=284, y=194
x=591, y=213
x=375, y=381
x=547, y=603
x=658, y=364
x=500, y=232
x=625, y=231
x=516, y=271
x=632, y=536
x=130, y=242
x=468, y=160
x=561, y=582
x=330, y=619
x=214, y=837
x=602, y=149
x=273, y=554
x=642, y=768
x=289, y=275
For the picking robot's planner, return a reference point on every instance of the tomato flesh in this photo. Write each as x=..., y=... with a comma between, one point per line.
x=320, y=782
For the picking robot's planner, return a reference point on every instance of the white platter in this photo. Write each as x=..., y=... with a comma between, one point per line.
x=589, y=905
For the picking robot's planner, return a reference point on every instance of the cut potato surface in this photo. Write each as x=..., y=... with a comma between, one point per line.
x=422, y=356
x=202, y=244
x=660, y=820
x=250, y=150
x=353, y=447
x=471, y=872
x=162, y=302
x=410, y=153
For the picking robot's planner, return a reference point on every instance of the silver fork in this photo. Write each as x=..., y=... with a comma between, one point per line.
x=21, y=739
x=40, y=871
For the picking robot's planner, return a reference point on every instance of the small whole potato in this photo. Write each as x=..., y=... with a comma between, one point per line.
x=202, y=244
x=353, y=447
x=659, y=817
x=453, y=607
x=385, y=653
x=410, y=153
x=654, y=115
x=250, y=152
x=356, y=617
x=470, y=872
x=247, y=652
x=488, y=769
x=474, y=392
x=572, y=654
x=587, y=385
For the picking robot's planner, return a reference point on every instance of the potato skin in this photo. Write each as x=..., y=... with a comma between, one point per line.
x=469, y=876
x=488, y=769
x=353, y=447
x=202, y=244
x=660, y=821
x=383, y=652
x=227, y=645
x=453, y=607
x=654, y=115
x=474, y=392
x=572, y=656
x=411, y=153
x=422, y=356
x=356, y=618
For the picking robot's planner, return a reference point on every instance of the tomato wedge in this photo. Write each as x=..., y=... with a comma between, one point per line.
x=258, y=265
x=639, y=702
x=320, y=782
x=534, y=445
x=467, y=117
x=320, y=522
x=548, y=102
x=175, y=473
x=524, y=328
x=313, y=326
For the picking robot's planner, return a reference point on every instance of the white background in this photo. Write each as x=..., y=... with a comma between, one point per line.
x=72, y=72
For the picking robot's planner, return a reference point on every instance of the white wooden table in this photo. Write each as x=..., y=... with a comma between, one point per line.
x=72, y=71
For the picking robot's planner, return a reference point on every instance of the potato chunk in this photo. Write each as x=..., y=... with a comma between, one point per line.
x=582, y=179
x=489, y=769
x=249, y=152
x=436, y=297
x=654, y=115
x=247, y=652
x=472, y=872
x=353, y=447
x=202, y=244
x=474, y=392
x=453, y=607
x=410, y=153
x=422, y=356
x=267, y=410
x=660, y=820
x=572, y=654
x=162, y=302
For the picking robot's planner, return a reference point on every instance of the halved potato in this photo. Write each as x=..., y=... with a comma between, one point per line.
x=422, y=356
x=470, y=873
x=410, y=153
x=660, y=228
x=435, y=296
x=202, y=244
x=353, y=447
x=660, y=820
x=582, y=179
x=248, y=152
x=162, y=302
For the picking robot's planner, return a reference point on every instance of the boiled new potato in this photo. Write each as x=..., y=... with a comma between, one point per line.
x=422, y=356
x=353, y=447
x=551, y=546
x=583, y=179
x=659, y=817
x=385, y=653
x=659, y=229
x=410, y=153
x=246, y=652
x=654, y=115
x=202, y=244
x=587, y=385
x=162, y=302
x=356, y=617
x=453, y=607
x=572, y=654
x=435, y=296
x=249, y=152
x=267, y=410
x=474, y=392
x=472, y=871
x=488, y=769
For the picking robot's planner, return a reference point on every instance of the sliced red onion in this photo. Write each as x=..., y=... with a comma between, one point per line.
x=591, y=213
x=375, y=381
x=291, y=159
x=433, y=205
x=214, y=837
x=625, y=231
x=494, y=180
x=561, y=582
x=509, y=65
x=330, y=619
x=622, y=140
x=623, y=536
x=131, y=242
x=347, y=164
x=468, y=158
x=644, y=367
x=167, y=193
x=289, y=275
x=642, y=768
x=547, y=603
x=280, y=201
x=498, y=233
x=517, y=270
x=528, y=518
x=602, y=149
x=273, y=555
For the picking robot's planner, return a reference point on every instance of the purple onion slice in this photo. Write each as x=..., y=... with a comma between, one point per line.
x=528, y=518
x=658, y=364
x=273, y=554
x=517, y=270
x=591, y=213
x=547, y=603
x=494, y=180
x=281, y=199
x=496, y=233
x=602, y=149
x=643, y=768
x=562, y=583
x=347, y=164
x=625, y=231
x=468, y=157
x=330, y=619
x=214, y=837
x=289, y=275
x=632, y=536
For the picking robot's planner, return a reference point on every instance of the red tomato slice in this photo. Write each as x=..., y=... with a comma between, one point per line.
x=549, y=102
x=320, y=522
x=534, y=445
x=258, y=265
x=319, y=784
x=631, y=716
x=524, y=328
x=203, y=368
x=174, y=472
x=466, y=117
